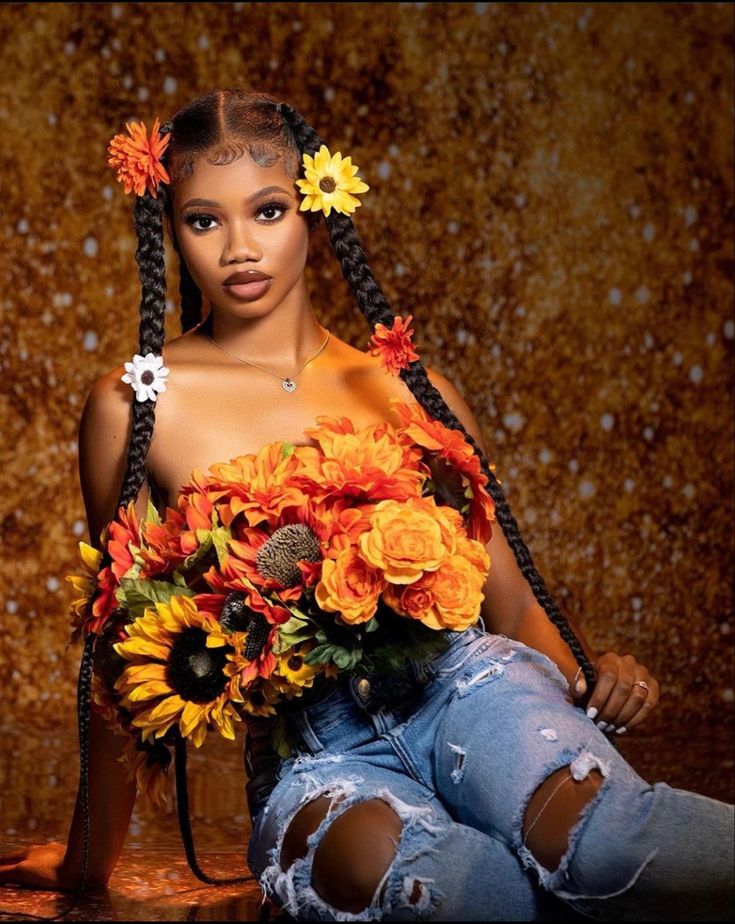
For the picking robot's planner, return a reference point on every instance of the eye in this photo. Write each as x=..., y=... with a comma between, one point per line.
x=193, y=217
x=269, y=208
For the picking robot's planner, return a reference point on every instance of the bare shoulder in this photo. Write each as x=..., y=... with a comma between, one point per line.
x=108, y=400
x=456, y=401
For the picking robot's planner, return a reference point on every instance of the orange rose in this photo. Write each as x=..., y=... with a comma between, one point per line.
x=407, y=538
x=412, y=600
x=349, y=586
x=475, y=553
x=457, y=591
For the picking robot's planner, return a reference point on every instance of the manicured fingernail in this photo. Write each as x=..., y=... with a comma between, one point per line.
x=603, y=726
x=621, y=731
x=592, y=712
x=579, y=686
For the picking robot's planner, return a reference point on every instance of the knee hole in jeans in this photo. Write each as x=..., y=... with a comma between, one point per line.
x=552, y=812
x=354, y=854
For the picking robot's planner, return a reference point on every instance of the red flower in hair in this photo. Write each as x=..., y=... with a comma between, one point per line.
x=138, y=158
x=393, y=345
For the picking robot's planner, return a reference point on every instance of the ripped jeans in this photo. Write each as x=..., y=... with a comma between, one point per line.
x=458, y=764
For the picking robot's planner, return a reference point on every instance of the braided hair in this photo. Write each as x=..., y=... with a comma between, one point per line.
x=221, y=126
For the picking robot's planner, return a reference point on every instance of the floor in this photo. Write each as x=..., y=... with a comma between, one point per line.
x=152, y=881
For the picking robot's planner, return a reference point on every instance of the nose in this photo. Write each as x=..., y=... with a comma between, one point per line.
x=240, y=245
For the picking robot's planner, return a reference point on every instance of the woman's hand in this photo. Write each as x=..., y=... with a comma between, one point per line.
x=624, y=695
x=38, y=866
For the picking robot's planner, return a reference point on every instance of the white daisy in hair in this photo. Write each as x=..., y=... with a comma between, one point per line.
x=147, y=375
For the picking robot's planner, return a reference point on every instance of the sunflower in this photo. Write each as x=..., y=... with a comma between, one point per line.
x=293, y=667
x=147, y=763
x=83, y=584
x=174, y=674
x=329, y=182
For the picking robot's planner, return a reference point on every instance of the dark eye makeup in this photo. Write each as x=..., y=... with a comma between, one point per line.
x=276, y=205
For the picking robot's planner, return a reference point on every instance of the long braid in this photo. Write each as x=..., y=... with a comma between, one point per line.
x=149, y=255
x=374, y=305
x=191, y=296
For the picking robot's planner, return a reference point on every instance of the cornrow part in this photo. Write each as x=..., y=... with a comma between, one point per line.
x=374, y=305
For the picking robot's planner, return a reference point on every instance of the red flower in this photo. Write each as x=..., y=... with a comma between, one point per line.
x=393, y=345
x=123, y=533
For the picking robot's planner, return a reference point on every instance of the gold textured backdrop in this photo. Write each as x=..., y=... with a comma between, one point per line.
x=551, y=198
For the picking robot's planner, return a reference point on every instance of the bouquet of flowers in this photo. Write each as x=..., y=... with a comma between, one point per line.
x=278, y=567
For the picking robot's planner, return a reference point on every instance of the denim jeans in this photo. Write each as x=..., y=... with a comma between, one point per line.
x=458, y=762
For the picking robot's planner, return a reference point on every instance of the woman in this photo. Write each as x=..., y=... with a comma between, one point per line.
x=476, y=784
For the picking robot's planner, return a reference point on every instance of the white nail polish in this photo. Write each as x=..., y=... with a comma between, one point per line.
x=602, y=725
x=592, y=712
x=622, y=730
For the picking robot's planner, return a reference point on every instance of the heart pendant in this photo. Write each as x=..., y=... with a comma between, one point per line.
x=288, y=384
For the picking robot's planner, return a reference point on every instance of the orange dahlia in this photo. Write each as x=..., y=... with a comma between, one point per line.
x=393, y=344
x=137, y=158
x=258, y=485
x=367, y=464
x=457, y=456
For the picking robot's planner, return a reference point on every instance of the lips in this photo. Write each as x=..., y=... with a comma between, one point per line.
x=237, y=279
x=252, y=286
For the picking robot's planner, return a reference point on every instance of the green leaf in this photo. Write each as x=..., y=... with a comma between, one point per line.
x=287, y=449
x=220, y=535
x=279, y=739
x=322, y=654
x=152, y=515
x=136, y=595
x=196, y=556
x=346, y=659
x=371, y=625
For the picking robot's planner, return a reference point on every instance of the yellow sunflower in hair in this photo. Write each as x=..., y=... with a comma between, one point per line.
x=330, y=180
x=173, y=676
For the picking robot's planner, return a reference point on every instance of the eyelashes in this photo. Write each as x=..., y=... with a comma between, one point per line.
x=275, y=205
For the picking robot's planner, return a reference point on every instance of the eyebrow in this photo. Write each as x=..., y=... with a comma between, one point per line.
x=210, y=203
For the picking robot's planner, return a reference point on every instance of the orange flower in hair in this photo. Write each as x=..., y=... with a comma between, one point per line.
x=393, y=345
x=137, y=158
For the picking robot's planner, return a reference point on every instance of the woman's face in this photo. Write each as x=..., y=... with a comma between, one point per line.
x=232, y=218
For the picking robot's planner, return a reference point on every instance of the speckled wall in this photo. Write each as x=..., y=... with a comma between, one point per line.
x=551, y=198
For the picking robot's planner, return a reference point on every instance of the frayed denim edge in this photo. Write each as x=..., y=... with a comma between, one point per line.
x=293, y=888
x=579, y=767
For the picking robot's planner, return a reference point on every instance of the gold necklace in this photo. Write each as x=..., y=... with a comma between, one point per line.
x=288, y=384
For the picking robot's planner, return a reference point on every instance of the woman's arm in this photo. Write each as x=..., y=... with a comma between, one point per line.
x=625, y=692
x=103, y=438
